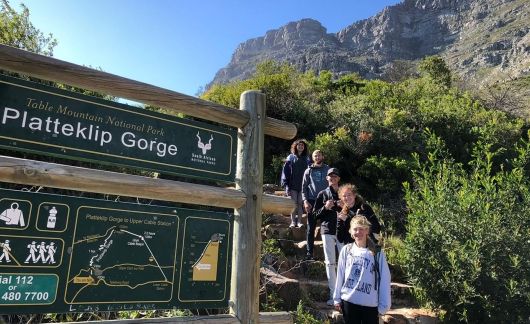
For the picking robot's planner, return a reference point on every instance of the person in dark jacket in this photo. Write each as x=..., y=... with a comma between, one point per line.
x=313, y=183
x=353, y=204
x=292, y=176
x=326, y=209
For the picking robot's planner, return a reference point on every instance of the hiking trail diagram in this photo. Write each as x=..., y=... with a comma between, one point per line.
x=124, y=261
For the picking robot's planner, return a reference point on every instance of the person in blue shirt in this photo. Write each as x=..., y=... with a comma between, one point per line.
x=314, y=182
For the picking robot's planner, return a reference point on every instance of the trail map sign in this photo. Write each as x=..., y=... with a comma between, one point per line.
x=50, y=121
x=68, y=254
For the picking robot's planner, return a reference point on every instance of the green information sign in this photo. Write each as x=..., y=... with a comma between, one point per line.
x=67, y=254
x=45, y=120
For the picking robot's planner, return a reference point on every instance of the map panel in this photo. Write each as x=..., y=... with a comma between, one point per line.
x=128, y=261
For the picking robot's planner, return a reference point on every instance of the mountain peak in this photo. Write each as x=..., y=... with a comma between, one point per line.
x=472, y=35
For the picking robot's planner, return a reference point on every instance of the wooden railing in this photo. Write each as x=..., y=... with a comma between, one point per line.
x=246, y=198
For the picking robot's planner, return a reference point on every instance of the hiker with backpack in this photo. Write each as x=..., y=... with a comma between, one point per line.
x=292, y=175
x=352, y=205
x=362, y=290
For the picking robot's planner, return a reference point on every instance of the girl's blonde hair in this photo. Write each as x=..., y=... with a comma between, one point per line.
x=347, y=186
x=362, y=221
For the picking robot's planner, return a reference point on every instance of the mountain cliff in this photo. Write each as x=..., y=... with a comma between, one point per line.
x=480, y=40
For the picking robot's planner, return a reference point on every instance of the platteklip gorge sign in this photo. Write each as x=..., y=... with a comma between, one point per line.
x=46, y=120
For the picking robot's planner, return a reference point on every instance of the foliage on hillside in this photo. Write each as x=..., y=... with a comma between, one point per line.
x=369, y=128
x=467, y=248
x=466, y=183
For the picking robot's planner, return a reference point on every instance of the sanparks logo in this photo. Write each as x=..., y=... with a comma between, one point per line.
x=49, y=121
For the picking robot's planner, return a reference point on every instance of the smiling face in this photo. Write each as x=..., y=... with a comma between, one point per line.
x=317, y=157
x=359, y=233
x=300, y=147
x=333, y=180
x=348, y=197
x=359, y=230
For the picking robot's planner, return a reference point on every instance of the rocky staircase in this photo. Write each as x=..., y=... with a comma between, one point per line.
x=292, y=278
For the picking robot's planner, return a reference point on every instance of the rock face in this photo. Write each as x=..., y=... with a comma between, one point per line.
x=479, y=39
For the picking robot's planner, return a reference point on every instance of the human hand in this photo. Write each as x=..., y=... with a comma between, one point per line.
x=307, y=206
x=342, y=216
x=329, y=204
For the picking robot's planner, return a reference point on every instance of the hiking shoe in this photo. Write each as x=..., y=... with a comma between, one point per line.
x=330, y=302
x=292, y=225
x=299, y=225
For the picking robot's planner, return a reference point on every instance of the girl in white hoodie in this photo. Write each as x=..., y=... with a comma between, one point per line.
x=362, y=290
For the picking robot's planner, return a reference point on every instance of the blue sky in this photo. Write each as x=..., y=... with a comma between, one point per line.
x=174, y=44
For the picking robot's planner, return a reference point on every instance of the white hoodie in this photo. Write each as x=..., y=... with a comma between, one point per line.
x=356, y=279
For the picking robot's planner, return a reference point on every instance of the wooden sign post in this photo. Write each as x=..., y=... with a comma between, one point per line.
x=244, y=293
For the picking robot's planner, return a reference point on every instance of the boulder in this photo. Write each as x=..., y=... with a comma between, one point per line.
x=287, y=289
x=410, y=316
x=276, y=219
x=278, y=231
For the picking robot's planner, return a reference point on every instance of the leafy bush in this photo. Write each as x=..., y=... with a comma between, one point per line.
x=394, y=248
x=272, y=303
x=386, y=174
x=271, y=247
x=468, y=247
x=272, y=173
x=302, y=316
x=370, y=128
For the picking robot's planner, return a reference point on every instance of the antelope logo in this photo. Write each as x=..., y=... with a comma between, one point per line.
x=202, y=146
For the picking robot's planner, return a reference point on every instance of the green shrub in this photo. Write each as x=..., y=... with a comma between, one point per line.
x=272, y=247
x=273, y=302
x=394, y=248
x=303, y=316
x=332, y=145
x=272, y=173
x=386, y=173
x=467, y=246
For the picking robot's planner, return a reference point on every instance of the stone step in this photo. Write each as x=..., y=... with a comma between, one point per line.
x=410, y=316
x=393, y=316
x=283, y=231
x=402, y=295
x=315, y=290
x=307, y=279
x=298, y=249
